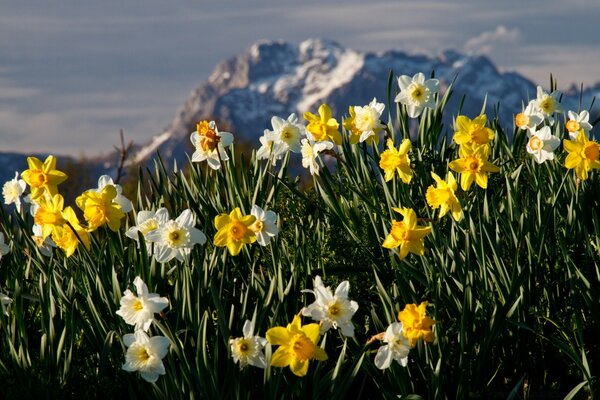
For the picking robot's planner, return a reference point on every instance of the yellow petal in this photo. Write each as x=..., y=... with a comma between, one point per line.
x=281, y=358
x=278, y=336
x=312, y=331
x=299, y=368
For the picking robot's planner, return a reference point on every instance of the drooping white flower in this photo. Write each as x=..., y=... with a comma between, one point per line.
x=248, y=350
x=530, y=117
x=416, y=93
x=121, y=200
x=265, y=227
x=542, y=144
x=367, y=119
x=332, y=310
x=397, y=347
x=547, y=103
x=139, y=310
x=148, y=221
x=13, y=190
x=4, y=248
x=271, y=147
x=310, y=152
x=210, y=144
x=5, y=301
x=578, y=122
x=44, y=245
x=145, y=354
x=289, y=132
x=175, y=238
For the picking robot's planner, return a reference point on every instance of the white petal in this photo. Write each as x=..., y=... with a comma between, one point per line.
x=383, y=358
x=247, y=329
x=342, y=290
x=186, y=219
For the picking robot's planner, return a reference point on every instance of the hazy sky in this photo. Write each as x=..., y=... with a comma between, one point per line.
x=72, y=72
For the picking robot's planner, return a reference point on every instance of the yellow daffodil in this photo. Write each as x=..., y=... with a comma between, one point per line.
x=472, y=131
x=234, y=230
x=473, y=165
x=393, y=160
x=43, y=177
x=407, y=234
x=99, y=208
x=417, y=325
x=443, y=196
x=297, y=346
x=49, y=214
x=583, y=155
x=323, y=127
x=349, y=125
x=68, y=237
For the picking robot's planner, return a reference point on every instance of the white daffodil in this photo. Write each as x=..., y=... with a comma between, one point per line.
x=332, y=310
x=541, y=144
x=310, y=151
x=530, y=117
x=210, y=144
x=271, y=147
x=248, y=350
x=121, y=200
x=416, y=93
x=547, y=103
x=397, y=347
x=367, y=119
x=175, y=238
x=578, y=122
x=148, y=221
x=5, y=301
x=289, y=132
x=265, y=226
x=13, y=190
x=139, y=310
x=4, y=248
x=44, y=245
x=145, y=354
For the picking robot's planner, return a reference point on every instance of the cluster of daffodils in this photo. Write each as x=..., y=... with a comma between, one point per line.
x=144, y=354
x=538, y=118
x=400, y=337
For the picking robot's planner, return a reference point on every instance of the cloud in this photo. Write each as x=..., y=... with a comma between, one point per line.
x=488, y=41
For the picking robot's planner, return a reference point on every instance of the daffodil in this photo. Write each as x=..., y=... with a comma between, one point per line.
x=234, y=231
x=395, y=160
x=248, y=350
x=145, y=354
x=49, y=214
x=541, y=144
x=443, y=196
x=297, y=346
x=406, y=234
x=139, y=310
x=583, y=155
x=4, y=248
x=99, y=208
x=530, y=117
x=397, y=347
x=417, y=325
x=265, y=226
x=323, y=127
x=473, y=165
x=13, y=190
x=548, y=104
x=577, y=123
x=289, y=132
x=176, y=238
x=148, y=221
x=472, y=131
x=310, y=151
x=364, y=123
x=119, y=199
x=271, y=147
x=210, y=144
x=68, y=236
x=332, y=310
x=44, y=245
x=416, y=93
x=43, y=177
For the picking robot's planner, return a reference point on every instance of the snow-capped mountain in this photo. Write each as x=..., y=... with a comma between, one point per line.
x=278, y=78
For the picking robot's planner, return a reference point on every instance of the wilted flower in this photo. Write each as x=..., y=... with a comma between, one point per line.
x=542, y=144
x=397, y=347
x=395, y=160
x=210, y=144
x=332, y=310
x=583, y=155
x=323, y=127
x=13, y=190
x=43, y=177
x=472, y=131
x=416, y=93
x=119, y=199
x=234, y=230
x=145, y=354
x=265, y=225
x=443, y=196
x=175, y=238
x=577, y=123
x=297, y=346
x=406, y=234
x=417, y=325
x=248, y=350
x=139, y=310
x=310, y=152
x=473, y=165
